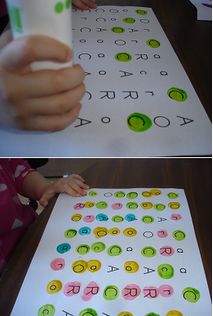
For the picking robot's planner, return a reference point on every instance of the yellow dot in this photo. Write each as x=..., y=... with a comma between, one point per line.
x=76, y=217
x=100, y=232
x=146, y=194
x=155, y=192
x=114, y=231
x=93, y=265
x=146, y=205
x=130, y=232
x=174, y=313
x=131, y=266
x=89, y=204
x=174, y=205
x=79, y=266
x=54, y=286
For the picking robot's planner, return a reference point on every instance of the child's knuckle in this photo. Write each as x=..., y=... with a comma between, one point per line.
x=58, y=81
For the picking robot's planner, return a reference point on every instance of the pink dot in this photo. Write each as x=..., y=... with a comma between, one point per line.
x=57, y=264
x=131, y=291
x=166, y=290
x=166, y=251
x=89, y=218
x=72, y=288
x=162, y=233
x=78, y=206
x=150, y=292
x=117, y=206
x=91, y=289
x=176, y=217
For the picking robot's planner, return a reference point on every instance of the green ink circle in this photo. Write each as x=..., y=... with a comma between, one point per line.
x=191, y=295
x=114, y=250
x=147, y=219
x=153, y=43
x=179, y=235
x=159, y=207
x=172, y=195
x=119, y=194
x=165, y=271
x=152, y=314
x=68, y=4
x=123, y=57
x=132, y=205
x=132, y=195
x=98, y=246
x=101, y=205
x=129, y=20
x=88, y=312
x=117, y=218
x=111, y=292
x=59, y=7
x=83, y=249
x=141, y=12
x=148, y=251
x=70, y=233
x=47, y=309
x=92, y=193
x=177, y=94
x=118, y=29
x=139, y=122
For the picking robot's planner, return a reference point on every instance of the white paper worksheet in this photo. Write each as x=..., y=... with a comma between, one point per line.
x=117, y=252
x=204, y=9
x=138, y=102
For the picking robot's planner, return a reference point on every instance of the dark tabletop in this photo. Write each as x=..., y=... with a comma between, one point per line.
x=193, y=175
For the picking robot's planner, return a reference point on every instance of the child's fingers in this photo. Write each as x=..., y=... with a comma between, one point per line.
x=50, y=122
x=56, y=104
x=89, y=3
x=48, y=82
x=25, y=50
x=76, y=176
x=74, y=187
x=80, y=5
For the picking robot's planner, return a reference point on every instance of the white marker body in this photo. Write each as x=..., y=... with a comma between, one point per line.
x=30, y=17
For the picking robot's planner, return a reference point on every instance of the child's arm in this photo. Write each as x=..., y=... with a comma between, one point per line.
x=40, y=100
x=37, y=187
x=85, y=4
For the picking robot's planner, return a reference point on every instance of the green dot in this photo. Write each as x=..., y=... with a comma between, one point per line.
x=138, y=122
x=119, y=194
x=132, y=205
x=177, y=94
x=172, y=195
x=114, y=250
x=152, y=314
x=117, y=29
x=141, y=12
x=129, y=20
x=191, y=295
x=159, y=207
x=149, y=252
x=132, y=195
x=92, y=193
x=147, y=219
x=153, y=43
x=98, y=246
x=68, y=4
x=117, y=218
x=70, y=233
x=59, y=7
x=47, y=309
x=111, y=292
x=101, y=205
x=179, y=235
x=123, y=57
x=88, y=312
x=83, y=249
x=165, y=271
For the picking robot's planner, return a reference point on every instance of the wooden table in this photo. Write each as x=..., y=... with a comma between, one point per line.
x=193, y=175
x=191, y=40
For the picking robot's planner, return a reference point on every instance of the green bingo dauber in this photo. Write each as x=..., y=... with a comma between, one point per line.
x=15, y=14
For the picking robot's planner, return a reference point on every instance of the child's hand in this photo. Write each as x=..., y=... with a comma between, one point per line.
x=73, y=185
x=85, y=4
x=47, y=100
